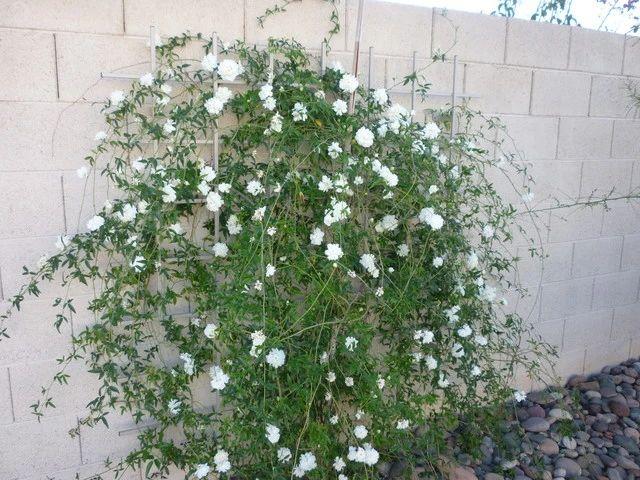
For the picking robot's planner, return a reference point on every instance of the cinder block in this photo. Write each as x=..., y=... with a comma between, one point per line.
x=93, y=16
x=99, y=53
x=115, y=441
x=173, y=18
x=378, y=67
x=492, y=82
x=555, y=179
x=601, y=177
x=409, y=31
x=632, y=56
x=566, y=298
x=33, y=326
x=595, y=51
x=25, y=213
x=83, y=198
x=616, y=289
x=626, y=322
x=597, y=257
x=551, y=332
x=622, y=218
x=90, y=472
x=606, y=353
x=28, y=66
x=610, y=97
x=575, y=223
x=569, y=363
x=31, y=448
x=6, y=405
x=631, y=252
x=553, y=267
x=524, y=133
x=584, y=138
x=537, y=44
x=581, y=331
x=560, y=93
x=27, y=380
x=479, y=38
x=626, y=139
x=307, y=22
x=46, y=136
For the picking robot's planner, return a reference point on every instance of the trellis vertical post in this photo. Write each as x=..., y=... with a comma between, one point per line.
x=216, y=136
x=356, y=53
x=454, y=95
x=370, y=68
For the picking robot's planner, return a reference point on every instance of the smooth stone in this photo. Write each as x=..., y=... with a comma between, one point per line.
x=576, y=380
x=627, y=463
x=570, y=443
x=493, y=476
x=600, y=426
x=462, y=473
x=632, y=433
x=560, y=472
x=608, y=461
x=549, y=447
x=536, y=411
x=536, y=424
x=560, y=414
x=627, y=443
x=592, y=385
x=614, y=474
x=592, y=394
x=571, y=467
x=619, y=407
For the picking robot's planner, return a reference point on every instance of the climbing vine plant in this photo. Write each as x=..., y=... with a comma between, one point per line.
x=321, y=297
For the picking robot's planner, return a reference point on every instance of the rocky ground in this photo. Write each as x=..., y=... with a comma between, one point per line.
x=587, y=430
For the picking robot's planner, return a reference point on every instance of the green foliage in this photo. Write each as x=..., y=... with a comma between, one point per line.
x=392, y=324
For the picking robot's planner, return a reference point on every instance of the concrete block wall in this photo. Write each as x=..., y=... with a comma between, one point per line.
x=559, y=90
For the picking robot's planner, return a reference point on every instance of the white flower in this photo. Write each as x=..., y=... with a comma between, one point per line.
x=276, y=357
x=316, y=236
x=272, y=433
x=390, y=178
x=381, y=383
x=62, y=242
x=266, y=91
x=169, y=193
x=365, y=454
x=219, y=379
x=188, y=363
x=209, y=62
x=100, y=136
x=128, y=213
x=452, y=314
x=476, y=371
x=137, y=263
x=221, y=459
x=276, y=123
x=82, y=172
x=214, y=201
x=299, y=112
x=342, y=477
x=233, y=225
x=325, y=184
x=202, y=470
x=334, y=150
x=338, y=464
x=433, y=189
x=457, y=350
x=402, y=424
x=443, y=382
x=174, y=406
x=138, y=165
x=258, y=214
x=269, y=104
x=430, y=131
x=431, y=218
x=211, y=330
x=488, y=231
x=472, y=260
x=254, y=187
x=431, y=362
x=146, y=80
x=333, y=251
x=464, y=331
x=214, y=106
x=519, y=395
x=487, y=293
x=348, y=83
x=368, y=262
x=229, y=69
x=224, y=94
x=177, y=228
x=380, y=96
x=481, y=340
x=269, y=270
x=338, y=212
x=331, y=377
x=220, y=249
x=403, y=250
x=339, y=107
x=306, y=463
x=423, y=336
x=350, y=343
x=204, y=188
x=379, y=292
x=364, y=137
x=169, y=126
x=333, y=420
x=360, y=432
x=528, y=197
x=142, y=206
x=348, y=381
x=116, y=97
x=388, y=223
x=437, y=262
x=284, y=454
x=95, y=223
